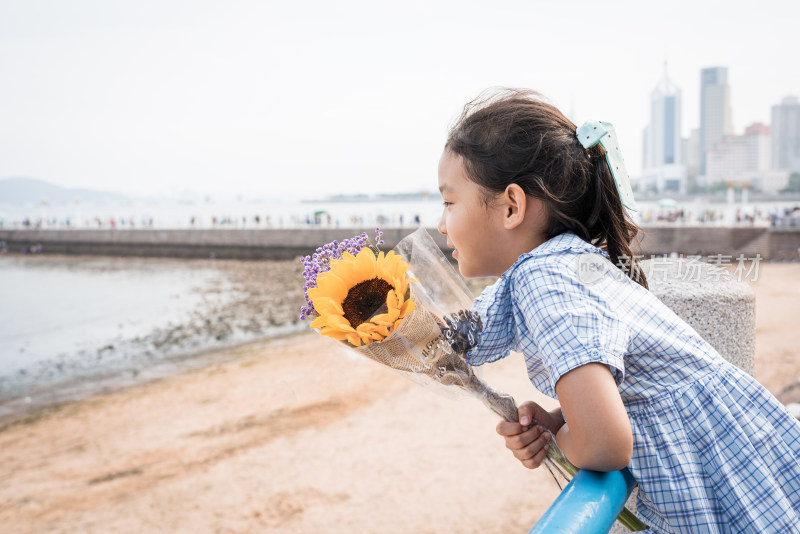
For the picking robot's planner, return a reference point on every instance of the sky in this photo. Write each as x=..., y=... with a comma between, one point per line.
x=307, y=99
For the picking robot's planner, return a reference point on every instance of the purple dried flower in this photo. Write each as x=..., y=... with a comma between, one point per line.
x=320, y=262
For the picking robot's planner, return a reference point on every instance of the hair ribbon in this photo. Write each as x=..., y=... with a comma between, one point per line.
x=591, y=133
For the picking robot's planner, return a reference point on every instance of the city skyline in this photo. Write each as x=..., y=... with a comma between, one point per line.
x=763, y=156
x=255, y=98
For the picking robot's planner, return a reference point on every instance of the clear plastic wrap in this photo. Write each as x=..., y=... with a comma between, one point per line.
x=430, y=345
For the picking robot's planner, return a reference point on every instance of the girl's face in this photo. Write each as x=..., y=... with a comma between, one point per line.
x=474, y=230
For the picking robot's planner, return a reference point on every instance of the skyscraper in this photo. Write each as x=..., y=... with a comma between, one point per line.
x=663, y=135
x=786, y=135
x=715, y=110
x=663, y=168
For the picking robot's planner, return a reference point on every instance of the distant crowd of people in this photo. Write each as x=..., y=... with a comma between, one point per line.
x=790, y=217
x=39, y=223
x=316, y=219
x=322, y=219
x=681, y=216
x=309, y=220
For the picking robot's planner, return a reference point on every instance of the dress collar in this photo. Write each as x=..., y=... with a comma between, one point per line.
x=495, y=303
x=564, y=241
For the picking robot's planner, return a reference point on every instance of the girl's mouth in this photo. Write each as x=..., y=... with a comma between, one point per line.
x=455, y=250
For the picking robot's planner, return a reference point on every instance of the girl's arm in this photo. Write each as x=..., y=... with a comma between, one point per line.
x=597, y=433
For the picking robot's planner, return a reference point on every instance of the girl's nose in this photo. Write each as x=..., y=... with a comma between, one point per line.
x=441, y=226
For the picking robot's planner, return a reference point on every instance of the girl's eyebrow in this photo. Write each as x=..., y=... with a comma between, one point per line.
x=443, y=188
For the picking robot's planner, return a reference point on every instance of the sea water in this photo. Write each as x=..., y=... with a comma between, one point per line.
x=71, y=320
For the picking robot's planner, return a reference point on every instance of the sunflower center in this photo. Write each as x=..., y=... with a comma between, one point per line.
x=364, y=300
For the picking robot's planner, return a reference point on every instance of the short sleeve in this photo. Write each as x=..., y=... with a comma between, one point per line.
x=570, y=322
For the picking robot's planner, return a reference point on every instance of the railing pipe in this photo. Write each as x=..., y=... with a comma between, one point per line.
x=588, y=505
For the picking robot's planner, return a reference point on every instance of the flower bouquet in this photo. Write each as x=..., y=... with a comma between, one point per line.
x=409, y=310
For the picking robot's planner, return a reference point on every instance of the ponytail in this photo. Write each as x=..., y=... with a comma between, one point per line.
x=610, y=223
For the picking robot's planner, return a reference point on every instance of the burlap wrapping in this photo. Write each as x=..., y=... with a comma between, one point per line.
x=405, y=348
x=418, y=347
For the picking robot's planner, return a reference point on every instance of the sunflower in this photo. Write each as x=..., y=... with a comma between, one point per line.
x=362, y=298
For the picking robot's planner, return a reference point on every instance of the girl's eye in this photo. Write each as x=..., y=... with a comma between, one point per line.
x=446, y=203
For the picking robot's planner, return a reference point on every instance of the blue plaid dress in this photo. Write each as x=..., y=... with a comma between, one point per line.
x=713, y=450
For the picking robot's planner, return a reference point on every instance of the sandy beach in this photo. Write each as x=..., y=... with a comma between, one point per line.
x=295, y=435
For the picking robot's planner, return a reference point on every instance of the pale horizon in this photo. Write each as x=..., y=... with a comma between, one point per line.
x=271, y=100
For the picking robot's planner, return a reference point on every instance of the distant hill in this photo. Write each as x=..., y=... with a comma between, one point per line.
x=27, y=190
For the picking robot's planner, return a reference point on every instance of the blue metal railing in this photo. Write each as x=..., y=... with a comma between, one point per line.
x=588, y=505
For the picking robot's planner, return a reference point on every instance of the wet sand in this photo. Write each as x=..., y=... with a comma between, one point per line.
x=212, y=305
x=295, y=435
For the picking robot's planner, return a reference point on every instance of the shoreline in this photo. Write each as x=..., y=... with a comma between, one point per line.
x=232, y=303
x=201, y=361
x=54, y=397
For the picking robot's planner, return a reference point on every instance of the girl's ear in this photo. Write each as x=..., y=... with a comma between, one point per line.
x=514, y=206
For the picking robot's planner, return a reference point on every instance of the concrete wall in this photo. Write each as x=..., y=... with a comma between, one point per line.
x=771, y=243
x=240, y=244
x=784, y=244
x=697, y=240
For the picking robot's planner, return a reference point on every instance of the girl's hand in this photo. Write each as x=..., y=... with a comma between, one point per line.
x=527, y=440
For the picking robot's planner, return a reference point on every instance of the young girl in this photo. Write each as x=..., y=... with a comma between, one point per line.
x=711, y=449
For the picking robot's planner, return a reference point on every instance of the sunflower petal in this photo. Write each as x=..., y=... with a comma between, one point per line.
x=388, y=317
x=407, y=307
x=365, y=261
x=399, y=267
x=354, y=339
x=392, y=301
x=326, y=305
x=381, y=330
x=337, y=321
x=318, y=322
x=365, y=328
x=331, y=286
x=364, y=336
x=344, y=269
x=335, y=333
x=315, y=292
x=385, y=266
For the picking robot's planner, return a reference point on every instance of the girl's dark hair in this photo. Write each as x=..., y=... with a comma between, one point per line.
x=511, y=136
